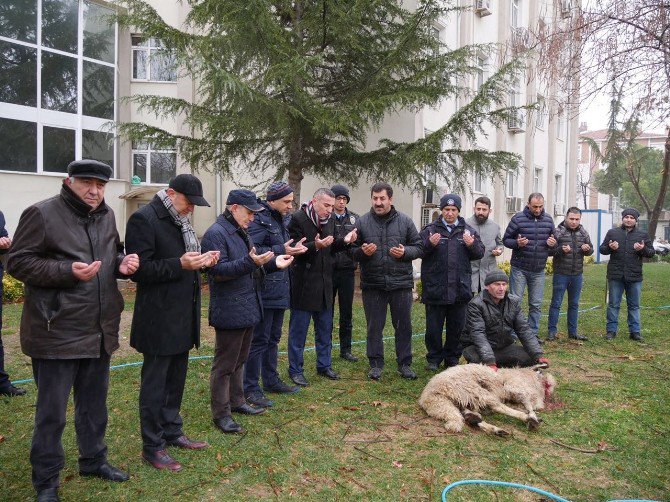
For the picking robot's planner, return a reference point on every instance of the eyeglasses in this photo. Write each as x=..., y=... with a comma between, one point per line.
x=340, y=197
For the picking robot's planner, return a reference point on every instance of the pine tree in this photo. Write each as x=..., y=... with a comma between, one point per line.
x=293, y=87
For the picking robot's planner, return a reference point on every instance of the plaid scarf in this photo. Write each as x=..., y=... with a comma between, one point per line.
x=311, y=212
x=188, y=234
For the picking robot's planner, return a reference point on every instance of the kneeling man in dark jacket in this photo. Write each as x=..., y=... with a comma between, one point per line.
x=235, y=305
x=492, y=317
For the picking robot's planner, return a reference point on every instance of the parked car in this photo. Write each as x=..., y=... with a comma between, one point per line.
x=662, y=247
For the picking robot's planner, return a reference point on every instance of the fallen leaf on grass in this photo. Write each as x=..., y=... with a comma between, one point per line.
x=219, y=456
x=397, y=464
x=602, y=446
x=351, y=408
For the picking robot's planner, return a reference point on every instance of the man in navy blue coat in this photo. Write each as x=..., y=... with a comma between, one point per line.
x=235, y=304
x=449, y=245
x=269, y=233
x=529, y=235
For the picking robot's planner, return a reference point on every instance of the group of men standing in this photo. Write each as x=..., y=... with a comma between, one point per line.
x=67, y=252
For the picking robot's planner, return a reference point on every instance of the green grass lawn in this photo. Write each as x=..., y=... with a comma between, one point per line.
x=358, y=439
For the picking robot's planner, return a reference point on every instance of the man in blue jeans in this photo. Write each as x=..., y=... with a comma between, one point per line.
x=627, y=246
x=530, y=235
x=573, y=243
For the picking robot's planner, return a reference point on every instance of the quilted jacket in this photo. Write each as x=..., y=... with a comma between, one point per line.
x=537, y=229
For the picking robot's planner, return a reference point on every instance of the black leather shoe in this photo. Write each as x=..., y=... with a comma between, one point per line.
x=282, y=388
x=329, y=373
x=578, y=337
x=406, y=372
x=551, y=337
x=300, y=380
x=107, y=472
x=375, y=373
x=636, y=337
x=257, y=398
x=227, y=425
x=12, y=391
x=610, y=335
x=432, y=367
x=48, y=495
x=247, y=409
x=348, y=356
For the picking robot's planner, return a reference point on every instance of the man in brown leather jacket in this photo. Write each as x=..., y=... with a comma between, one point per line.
x=67, y=252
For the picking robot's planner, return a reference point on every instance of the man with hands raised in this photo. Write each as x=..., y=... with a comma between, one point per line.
x=312, y=284
x=387, y=243
x=268, y=232
x=67, y=252
x=166, y=320
x=627, y=246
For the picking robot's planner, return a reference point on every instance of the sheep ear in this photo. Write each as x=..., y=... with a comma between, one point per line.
x=541, y=366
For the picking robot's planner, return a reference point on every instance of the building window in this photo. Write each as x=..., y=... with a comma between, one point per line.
x=510, y=185
x=152, y=165
x=478, y=183
x=57, y=83
x=537, y=179
x=481, y=72
x=151, y=61
x=557, y=188
x=515, y=94
x=515, y=13
x=560, y=124
x=541, y=116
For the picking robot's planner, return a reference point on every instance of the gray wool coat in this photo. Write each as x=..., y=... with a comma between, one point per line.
x=489, y=233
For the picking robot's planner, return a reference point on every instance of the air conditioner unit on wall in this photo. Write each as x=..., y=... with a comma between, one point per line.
x=559, y=209
x=566, y=8
x=483, y=8
x=515, y=122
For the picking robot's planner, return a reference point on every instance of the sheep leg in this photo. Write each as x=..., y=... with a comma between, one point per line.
x=527, y=418
x=474, y=419
x=533, y=421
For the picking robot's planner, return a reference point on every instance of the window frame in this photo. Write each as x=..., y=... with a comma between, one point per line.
x=149, y=49
x=148, y=151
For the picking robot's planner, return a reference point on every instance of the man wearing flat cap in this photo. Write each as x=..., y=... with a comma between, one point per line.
x=492, y=319
x=166, y=320
x=449, y=244
x=235, y=304
x=627, y=246
x=67, y=252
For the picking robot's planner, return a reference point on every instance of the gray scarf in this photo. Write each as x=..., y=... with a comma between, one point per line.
x=188, y=234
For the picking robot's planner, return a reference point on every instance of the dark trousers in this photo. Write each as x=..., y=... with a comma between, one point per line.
x=161, y=392
x=298, y=325
x=508, y=357
x=4, y=377
x=437, y=316
x=226, y=380
x=376, y=303
x=262, y=360
x=89, y=378
x=343, y=288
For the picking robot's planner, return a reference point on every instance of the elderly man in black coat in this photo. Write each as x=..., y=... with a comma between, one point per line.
x=166, y=320
x=312, y=284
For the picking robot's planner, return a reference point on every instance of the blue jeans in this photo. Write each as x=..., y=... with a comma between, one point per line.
x=535, y=280
x=573, y=284
x=262, y=360
x=297, y=335
x=633, y=291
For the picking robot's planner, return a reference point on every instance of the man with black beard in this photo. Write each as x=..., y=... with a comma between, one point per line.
x=489, y=233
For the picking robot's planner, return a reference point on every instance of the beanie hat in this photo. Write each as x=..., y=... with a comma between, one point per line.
x=631, y=211
x=451, y=199
x=278, y=190
x=341, y=190
x=495, y=276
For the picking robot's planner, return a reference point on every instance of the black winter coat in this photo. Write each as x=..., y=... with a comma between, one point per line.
x=344, y=225
x=64, y=318
x=537, y=229
x=166, y=320
x=381, y=270
x=312, y=280
x=235, y=300
x=489, y=327
x=446, y=274
x=571, y=263
x=626, y=263
x=269, y=233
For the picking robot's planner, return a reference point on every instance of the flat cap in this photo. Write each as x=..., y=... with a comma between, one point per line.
x=190, y=187
x=244, y=198
x=89, y=168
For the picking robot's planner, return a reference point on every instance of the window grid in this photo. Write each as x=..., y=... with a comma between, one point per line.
x=151, y=62
x=147, y=159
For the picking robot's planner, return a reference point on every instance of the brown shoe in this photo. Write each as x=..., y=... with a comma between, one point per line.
x=189, y=444
x=162, y=460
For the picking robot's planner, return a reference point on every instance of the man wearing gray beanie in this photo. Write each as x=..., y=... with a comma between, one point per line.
x=493, y=317
x=627, y=245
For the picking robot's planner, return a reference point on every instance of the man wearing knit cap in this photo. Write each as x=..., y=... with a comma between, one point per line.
x=343, y=270
x=493, y=317
x=450, y=244
x=627, y=246
x=269, y=233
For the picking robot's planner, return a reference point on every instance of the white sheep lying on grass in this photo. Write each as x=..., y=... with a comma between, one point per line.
x=458, y=395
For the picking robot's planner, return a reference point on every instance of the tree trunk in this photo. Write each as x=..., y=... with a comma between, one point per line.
x=295, y=175
x=665, y=174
